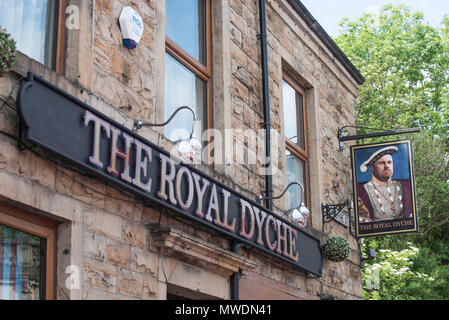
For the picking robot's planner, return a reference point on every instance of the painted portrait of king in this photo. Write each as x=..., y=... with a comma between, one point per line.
x=382, y=197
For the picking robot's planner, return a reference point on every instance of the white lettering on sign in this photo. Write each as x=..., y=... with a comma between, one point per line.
x=186, y=189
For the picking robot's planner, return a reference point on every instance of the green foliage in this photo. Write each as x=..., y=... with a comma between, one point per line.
x=410, y=273
x=406, y=66
x=336, y=249
x=7, y=51
x=432, y=177
x=393, y=278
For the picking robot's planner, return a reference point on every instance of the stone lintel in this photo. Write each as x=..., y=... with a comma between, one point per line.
x=192, y=250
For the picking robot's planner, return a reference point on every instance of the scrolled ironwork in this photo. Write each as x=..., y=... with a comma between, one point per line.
x=330, y=211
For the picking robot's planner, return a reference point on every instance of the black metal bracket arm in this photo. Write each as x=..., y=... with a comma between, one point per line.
x=330, y=211
x=138, y=124
x=342, y=137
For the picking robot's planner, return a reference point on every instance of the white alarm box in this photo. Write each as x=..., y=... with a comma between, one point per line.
x=132, y=27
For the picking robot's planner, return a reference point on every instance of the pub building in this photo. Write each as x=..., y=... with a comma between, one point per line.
x=170, y=149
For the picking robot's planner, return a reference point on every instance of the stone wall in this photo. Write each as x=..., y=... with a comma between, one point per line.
x=108, y=232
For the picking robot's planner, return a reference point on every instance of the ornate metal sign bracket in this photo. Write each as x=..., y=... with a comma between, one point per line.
x=343, y=134
x=330, y=211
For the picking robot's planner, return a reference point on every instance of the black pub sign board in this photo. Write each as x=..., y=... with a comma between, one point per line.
x=99, y=146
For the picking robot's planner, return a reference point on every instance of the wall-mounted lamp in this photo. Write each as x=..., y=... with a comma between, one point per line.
x=301, y=214
x=371, y=253
x=330, y=211
x=189, y=148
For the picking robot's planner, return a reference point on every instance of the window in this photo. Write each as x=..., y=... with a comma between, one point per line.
x=26, y=256
x=187, y=65
x=36, y=27
x=296, y=153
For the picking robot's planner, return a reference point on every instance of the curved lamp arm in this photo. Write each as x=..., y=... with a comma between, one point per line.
x=261, y=197
x=139, y=123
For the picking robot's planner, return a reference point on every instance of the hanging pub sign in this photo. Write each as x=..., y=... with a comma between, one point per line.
x=384, y=188
x=81, y=136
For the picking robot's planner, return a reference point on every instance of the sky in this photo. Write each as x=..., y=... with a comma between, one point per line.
x=329, y=12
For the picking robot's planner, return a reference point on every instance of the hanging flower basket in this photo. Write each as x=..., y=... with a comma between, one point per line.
x=336, y=249
x=7, y=52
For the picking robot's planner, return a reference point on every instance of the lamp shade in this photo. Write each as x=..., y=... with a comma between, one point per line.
x=189, y=149
x=299, y=215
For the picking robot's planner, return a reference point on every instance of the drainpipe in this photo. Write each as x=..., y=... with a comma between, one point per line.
x=234, y=281
x=266, y=102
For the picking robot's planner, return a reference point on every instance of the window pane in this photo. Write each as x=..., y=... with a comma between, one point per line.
x=32, y=24
x=185, y=25
x=293, y=115
x=295, y=173
x=21, y=264
x=182, y=88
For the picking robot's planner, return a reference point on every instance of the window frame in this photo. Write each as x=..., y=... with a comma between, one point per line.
x=293, y=148
x=60, y=35
x=41, y=227
x=204, y=72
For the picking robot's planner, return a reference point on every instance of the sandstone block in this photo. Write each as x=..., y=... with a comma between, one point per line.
x=143, y=261
x=101, y=54
x=240, y=90
x=238, y=21
x=97, y=220
x=153, y=290
x=116, y=64
x=238, y=54
x=149, y=288
x=97, y=294
x=94, y=245
x=134, y=234
x=142, y=83
x=129, y=283
x=80, y=187
x=104, y=6
x=106, y=86
x=126, y=207
x=118, y=253
x=236, y=35
x=248, y=115
x=251, y=48
x=100, y=275
x=26, y=164
x=152, y=216
x=237, y=5
x=148, y=36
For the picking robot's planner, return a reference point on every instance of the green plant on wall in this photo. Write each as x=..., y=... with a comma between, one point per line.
x=7, y=52
x=336, y=249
